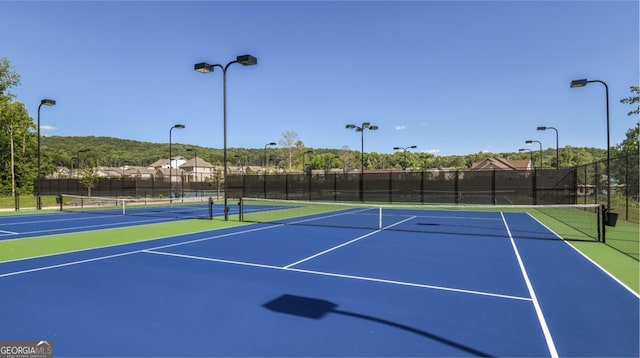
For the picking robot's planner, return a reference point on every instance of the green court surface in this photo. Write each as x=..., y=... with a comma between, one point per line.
x=55, y=244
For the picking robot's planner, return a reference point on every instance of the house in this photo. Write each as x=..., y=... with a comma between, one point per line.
x=175, y=162
x=197, y=169
x=176, y=174
x=502, y=164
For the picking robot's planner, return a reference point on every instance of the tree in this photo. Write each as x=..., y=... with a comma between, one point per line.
x=89, y=178
x=632, y=100
x=288, y=141
x=8, y=78
x=630, y=144
x=17, y=140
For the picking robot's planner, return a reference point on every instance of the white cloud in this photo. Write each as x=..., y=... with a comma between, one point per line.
x=47, y=128
x=399, y=128
x=431, y=151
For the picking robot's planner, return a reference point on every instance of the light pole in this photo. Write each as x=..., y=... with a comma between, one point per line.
x=45, y=102
x=195, y=166
x=582, y=83
x=542, y=128
x=530, y=153
x=81, y=151
x=203, y=67
x=404, y=149
x=361, y=129
x=178, y=126
x=266, y=164
x=540, y=143
x=304, y=156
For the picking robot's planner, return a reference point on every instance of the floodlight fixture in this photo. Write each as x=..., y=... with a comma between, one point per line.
x=579, y=83
x=204, y=67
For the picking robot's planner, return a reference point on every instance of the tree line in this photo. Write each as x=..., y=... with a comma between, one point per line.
x=18, y=149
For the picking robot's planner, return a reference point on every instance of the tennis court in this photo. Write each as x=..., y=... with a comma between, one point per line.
x=340, y=282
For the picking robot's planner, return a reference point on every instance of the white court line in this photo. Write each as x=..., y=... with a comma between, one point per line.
x=341, y=213
x=624, y=285
x=43, y=268
x=58, y=219
x=129, y=252
x=346, y=243
x=117, y=225
x=543, y=323
x=331, y=249
x=353, y=277
x=8, y=232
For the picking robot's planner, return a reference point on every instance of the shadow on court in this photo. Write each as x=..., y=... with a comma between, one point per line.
x=314, y=308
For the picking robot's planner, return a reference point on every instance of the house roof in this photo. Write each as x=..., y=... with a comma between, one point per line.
x=201, y=163
x=503, y=164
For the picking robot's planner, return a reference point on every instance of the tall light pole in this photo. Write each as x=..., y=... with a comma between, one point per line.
x=264, y=159
x=582, y=83
x=540, y=143
x=361, y=129
x=542, y=128
x=45, y=102
x=178, y=126
x=203, y=67
x=81, y=151
x=404, y=149
x=195, y=166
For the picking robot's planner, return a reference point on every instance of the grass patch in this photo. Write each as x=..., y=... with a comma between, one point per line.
x=56, y=244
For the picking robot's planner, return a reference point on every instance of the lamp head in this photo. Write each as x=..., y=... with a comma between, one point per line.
x=373, y=128
x=542, y=128
x=48, y=102
x=413, y=147
x=272, y=143
x=180, y=126
x=523, y=149
x=247, y=60
x=351, y=126
x=396, y=148
x=529, y=141
x=203, y=67
x=579, y=83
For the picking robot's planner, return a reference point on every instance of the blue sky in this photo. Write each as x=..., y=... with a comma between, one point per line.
x=451, y=77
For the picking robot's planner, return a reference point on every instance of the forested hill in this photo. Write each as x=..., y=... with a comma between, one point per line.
x=115, y=152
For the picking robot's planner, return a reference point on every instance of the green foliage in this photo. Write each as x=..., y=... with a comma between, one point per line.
x=630, y=144
x=633, y=100
x=88, y=178
x=8, y=78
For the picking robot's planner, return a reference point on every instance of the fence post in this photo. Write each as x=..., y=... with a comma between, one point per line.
x=494, y=199
x=456, y=188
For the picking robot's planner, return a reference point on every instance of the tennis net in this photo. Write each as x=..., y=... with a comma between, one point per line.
x=188, y=208
x=570, y=222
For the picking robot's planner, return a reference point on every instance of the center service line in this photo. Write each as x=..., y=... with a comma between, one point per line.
x=543, y=323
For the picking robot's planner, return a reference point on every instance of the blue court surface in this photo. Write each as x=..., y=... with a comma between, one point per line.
x=265, y=290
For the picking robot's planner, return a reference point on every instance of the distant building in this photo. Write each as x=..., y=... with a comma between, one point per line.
x=502, y=164
x=197, y=169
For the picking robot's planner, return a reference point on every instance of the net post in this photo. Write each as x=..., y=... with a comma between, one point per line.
x=210, y=205
x=380, y=218
x=241, y=210
x=124, y=212
x=59, y=198
x=603, y=222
